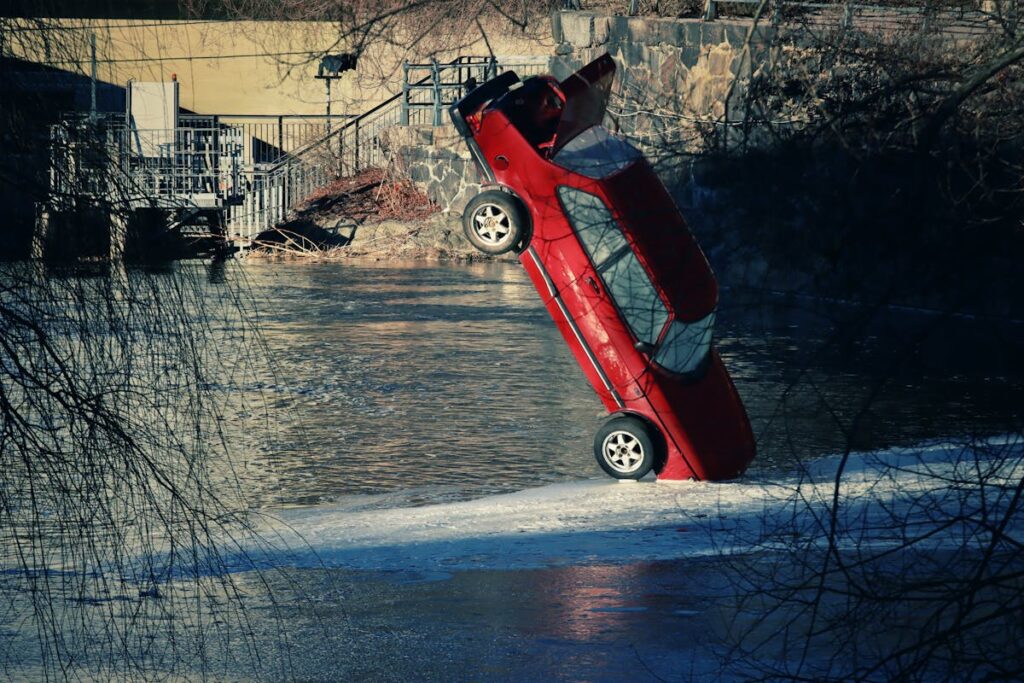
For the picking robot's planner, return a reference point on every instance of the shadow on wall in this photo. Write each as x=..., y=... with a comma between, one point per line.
x=32, y=98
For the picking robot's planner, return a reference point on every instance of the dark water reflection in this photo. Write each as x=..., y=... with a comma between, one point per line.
x=404, y=384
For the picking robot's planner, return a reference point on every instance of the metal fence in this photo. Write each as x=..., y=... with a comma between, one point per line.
x=268, y=138
x=360, y=142
x=102, y=159
x=81, y=155
x=429, y=88
x=271, y=192
x=255, y=168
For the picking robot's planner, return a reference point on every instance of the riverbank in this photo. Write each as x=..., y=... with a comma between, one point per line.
x=437, y=237
x=663, y=581
x=370, y=216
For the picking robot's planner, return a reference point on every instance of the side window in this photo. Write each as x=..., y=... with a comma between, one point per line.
x=624, y=276
x=594, y=224
x=635, y=296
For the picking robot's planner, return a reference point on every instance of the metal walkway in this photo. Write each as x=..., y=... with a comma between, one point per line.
x=210, y=174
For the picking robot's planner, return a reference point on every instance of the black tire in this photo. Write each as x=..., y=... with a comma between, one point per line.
x=495, y=222
x=625, y=447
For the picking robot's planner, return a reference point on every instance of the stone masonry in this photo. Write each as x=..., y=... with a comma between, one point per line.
x=674, y=76
x=438, y=161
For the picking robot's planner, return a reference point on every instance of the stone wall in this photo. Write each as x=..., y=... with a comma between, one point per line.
x=680, y=81
x=675, y=76
x=438, y=161
x=681, y=66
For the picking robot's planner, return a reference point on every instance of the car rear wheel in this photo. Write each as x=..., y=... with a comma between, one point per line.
x=494, y=222
x=624, y=447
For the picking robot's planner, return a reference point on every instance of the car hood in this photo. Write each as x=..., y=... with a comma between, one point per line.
x=586, y=99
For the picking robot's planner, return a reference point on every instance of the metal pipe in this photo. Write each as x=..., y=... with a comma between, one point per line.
x=437, y=92
x=92, y=99
x=710, y=10
x=405, y=92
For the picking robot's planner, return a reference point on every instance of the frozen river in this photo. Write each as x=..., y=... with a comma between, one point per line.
x=421, y=438
x=404, y=385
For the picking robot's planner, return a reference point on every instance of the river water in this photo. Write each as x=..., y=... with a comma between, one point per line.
x=414, y=383
x=373, y=386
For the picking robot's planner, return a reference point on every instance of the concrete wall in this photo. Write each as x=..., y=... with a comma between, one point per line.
x=243, y=67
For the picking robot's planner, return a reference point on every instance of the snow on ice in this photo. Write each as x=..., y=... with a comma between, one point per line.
x=605, y=521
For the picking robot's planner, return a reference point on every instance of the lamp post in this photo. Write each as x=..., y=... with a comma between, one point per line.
x=332, y=67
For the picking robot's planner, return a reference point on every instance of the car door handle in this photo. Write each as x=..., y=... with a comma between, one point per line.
x=593, y=285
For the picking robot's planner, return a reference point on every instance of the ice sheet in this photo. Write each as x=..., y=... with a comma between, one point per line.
x=605, y=521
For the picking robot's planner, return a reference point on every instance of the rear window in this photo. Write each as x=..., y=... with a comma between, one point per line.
x=624, y=277
x=596, y=153
x=686, y=345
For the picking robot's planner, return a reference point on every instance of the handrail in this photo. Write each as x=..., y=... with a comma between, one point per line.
x=268, y=117
x=464, y=60
x=352, y=122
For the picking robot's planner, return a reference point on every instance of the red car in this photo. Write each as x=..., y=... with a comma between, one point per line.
x=616, y=266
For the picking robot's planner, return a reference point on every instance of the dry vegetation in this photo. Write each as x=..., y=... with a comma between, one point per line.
x=373, y=194
x=326, y=222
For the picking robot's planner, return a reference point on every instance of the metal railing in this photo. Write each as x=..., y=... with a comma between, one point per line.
x=82, y=153
x=266, y=138
x=195, y=165
x=360, y=143
x=429, y=88
x=105, y=160
x=273, y=191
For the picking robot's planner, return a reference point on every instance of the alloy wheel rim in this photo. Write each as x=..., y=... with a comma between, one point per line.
x=491, y=224
x=623, y=451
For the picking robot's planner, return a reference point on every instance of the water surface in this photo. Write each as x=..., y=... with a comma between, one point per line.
x=405, y=384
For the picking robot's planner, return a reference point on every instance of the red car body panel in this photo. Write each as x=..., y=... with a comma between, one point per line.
x=700, y=416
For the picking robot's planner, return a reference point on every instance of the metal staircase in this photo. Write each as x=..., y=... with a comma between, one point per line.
x=209, y=171
x=272, y=192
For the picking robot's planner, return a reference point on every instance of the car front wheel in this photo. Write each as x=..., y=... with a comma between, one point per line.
x=494, y=222
x=624, y=447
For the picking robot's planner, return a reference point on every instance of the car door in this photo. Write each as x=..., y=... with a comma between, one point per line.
x=621, y=309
